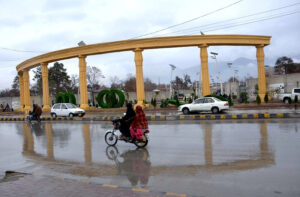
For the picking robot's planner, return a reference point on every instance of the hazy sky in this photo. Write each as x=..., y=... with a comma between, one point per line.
x=42, y=26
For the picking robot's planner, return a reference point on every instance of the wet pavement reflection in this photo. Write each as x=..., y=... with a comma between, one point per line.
x=230, y=157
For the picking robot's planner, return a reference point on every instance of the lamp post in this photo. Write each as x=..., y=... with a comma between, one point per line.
x=200, y=82
x=229, y=64
x=214, y=56
x=172, y=68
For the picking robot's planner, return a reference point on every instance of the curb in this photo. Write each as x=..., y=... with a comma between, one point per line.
x=174, y=118
x=134, y=189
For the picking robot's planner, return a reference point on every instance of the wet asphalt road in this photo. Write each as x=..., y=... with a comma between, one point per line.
x=200, y=158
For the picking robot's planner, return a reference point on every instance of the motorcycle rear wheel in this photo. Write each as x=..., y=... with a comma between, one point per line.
x=141, y=143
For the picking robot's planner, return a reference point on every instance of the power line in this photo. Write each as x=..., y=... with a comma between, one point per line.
x=22, y=51
x=172, y=26
x=211, y=24
x=230, y=26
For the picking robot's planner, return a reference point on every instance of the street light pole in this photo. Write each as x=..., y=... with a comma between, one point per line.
x=229, y=66
x=215, y=57
x=172, y=68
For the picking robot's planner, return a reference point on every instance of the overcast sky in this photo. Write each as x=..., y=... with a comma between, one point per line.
x=47, y=25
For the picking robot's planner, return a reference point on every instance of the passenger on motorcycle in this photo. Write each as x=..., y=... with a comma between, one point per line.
x=126, y=121
x=139, y=124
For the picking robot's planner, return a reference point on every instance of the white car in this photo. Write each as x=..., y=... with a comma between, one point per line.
x=205, y=104
x=66, y=109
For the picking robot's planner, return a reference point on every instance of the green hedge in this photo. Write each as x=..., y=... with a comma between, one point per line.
x=217, y=96
x=175, y=102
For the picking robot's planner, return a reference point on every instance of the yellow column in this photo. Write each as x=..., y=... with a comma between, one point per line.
x=26, y=91
x=140, y=92
x=87, y=144
x=261, y=71
x=204, y=70
x=46, y=99
x=21, y=87
x=83, y=85
x=49, y=135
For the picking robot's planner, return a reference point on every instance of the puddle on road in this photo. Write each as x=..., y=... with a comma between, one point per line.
x=181, y=156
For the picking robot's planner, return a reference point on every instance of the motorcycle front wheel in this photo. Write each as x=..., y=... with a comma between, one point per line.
x=110, y=138
x=141, y=143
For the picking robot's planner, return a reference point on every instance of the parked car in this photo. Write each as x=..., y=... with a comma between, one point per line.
x=66, y=109
x=290, y=96
x=212, y=104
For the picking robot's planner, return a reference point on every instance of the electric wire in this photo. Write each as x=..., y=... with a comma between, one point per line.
x=22, y=51
x=234, y=19
x=193, y=19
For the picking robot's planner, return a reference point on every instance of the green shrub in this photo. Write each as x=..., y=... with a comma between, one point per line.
x=296, y=99
x=258, y=100
x=217, y=96
x=153, y=102
x=290, y=101
x=244, y=97
x=266, y=99
x=164, y=103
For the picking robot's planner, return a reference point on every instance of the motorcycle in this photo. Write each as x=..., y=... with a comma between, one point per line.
x=111, y=138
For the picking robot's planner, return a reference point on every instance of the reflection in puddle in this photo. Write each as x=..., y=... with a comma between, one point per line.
x=135, y=165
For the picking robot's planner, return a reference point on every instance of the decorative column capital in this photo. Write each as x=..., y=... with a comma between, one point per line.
x=259, y=46
x=138, y=50
x=203, y=46
x=81, y=56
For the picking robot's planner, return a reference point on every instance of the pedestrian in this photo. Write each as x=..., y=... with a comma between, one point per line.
x=7, y=109
x=1, y=108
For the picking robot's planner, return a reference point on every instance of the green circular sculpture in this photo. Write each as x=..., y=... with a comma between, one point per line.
x=65, y=98
x=113, y=98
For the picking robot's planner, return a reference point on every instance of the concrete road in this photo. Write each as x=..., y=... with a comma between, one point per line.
x=198, y=158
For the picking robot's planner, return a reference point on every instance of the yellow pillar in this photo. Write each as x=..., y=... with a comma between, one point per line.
x=204, y=70
x=87, y=144
x=21, y=87
x=83, y=85
x=140, y=91
x=46, y=99
x=26, y=91
x=49, y=135
x=261, y=71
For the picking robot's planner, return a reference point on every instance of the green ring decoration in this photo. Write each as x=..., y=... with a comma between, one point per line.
x=65, y=98
x=113, y=98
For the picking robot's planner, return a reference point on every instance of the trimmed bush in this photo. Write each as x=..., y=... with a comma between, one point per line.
x=244, y=97
x=113, y=98
x=266, y=99
x=296, y=99
x=176, y=102
x=164, y=103
x=258, y=100
x=217, y=96
x=65, y=98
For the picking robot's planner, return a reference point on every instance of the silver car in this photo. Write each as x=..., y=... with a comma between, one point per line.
x=212, y=104
x=66, y=109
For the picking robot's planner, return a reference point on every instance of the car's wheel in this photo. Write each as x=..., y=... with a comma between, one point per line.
x=53, y=115
x=215, y=110
x=71, y=115
x=185, y=111
x=286, y=100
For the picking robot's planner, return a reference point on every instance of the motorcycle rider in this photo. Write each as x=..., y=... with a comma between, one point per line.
x=126, y=121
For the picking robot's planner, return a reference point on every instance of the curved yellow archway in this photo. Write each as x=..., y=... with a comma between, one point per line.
x=137, y=46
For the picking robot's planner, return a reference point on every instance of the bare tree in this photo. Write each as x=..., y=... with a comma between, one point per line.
x=93, y=76
x=115, y=83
